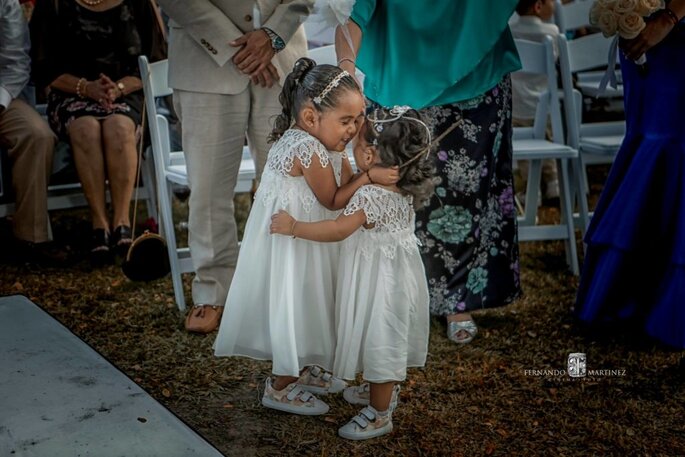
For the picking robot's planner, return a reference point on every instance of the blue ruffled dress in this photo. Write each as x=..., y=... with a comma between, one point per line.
x=634, y=269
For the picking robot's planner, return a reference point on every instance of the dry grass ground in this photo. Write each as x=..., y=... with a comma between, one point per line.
x=476, y=399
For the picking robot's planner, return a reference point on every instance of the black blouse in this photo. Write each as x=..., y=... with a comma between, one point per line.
x=69, y=38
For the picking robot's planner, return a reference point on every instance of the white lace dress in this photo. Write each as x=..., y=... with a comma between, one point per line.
x=382, y=295
x=280, y=305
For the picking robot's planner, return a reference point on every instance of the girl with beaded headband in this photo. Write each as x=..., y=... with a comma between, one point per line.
x=382, y=294
x=281, y=300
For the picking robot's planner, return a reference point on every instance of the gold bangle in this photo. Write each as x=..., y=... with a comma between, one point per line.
x=80, y=82
x=671, y=15
x=292, y=229
x=348, y=60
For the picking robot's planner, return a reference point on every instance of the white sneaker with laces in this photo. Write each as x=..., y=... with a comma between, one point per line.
x=293, y=399
x=361, y=395
x=367, y=424
x=314, y=379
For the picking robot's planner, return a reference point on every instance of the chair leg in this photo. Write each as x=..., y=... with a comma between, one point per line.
x=582, y=194
x=567, y=214
x=532, y=191
x=167, y=229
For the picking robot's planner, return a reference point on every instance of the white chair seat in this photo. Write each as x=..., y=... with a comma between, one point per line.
x=536, y=149
x=604, y=145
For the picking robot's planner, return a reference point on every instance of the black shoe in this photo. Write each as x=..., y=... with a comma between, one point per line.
x=46, y=254
x=100, y=253
x=121, y=240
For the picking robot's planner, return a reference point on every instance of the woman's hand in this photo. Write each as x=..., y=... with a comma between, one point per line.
x=282, y=223
x=113, y=91
x=655, y=31
x=386, y=176
x=100, y=91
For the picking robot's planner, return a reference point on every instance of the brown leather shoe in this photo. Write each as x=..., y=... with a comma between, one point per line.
x=204, y=318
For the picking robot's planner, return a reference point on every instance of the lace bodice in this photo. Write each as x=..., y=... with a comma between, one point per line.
x=392, y=216
x=295, y=143
x=278, y=184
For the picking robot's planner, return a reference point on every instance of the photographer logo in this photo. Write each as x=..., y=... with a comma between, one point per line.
x=576, y=367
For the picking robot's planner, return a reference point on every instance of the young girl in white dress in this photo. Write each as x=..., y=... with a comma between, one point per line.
x=382, y=295
x=280, y=305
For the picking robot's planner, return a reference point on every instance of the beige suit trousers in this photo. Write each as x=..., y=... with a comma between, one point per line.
x=30, y=143
x=214, y=130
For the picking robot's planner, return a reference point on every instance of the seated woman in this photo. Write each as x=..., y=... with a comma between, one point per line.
x=85, y=54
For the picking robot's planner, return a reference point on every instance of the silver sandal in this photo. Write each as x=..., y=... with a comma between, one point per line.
x=468, y=326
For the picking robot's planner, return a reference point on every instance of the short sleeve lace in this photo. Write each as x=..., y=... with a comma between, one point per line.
x=392, y=216
x=296, y=144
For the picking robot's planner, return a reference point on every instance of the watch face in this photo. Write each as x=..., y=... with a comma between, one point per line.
x=120, y=86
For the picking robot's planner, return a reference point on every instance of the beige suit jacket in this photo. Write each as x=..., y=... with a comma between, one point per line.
x=200, y=30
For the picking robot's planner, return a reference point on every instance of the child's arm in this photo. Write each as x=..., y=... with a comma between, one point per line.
x=347, y=173
x=322, y=182
x=329, y=230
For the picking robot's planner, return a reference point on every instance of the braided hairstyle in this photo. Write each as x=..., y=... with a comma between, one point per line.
x=399, y=143
x=302, y=85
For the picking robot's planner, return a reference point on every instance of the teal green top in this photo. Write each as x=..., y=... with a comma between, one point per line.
x=429, y=53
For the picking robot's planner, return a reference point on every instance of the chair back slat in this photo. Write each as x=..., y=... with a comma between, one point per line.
x=573, y=15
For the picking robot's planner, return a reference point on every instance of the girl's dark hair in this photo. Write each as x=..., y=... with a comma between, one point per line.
x=397, y=143
x=307, y=81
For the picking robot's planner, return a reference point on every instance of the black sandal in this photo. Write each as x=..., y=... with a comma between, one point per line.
x=122, y=239
x=99, y=252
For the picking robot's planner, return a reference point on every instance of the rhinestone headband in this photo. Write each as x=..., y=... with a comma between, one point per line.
x=335, y=82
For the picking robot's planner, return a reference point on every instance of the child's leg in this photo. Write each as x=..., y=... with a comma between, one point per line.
x=281, y=382
x=381, y=395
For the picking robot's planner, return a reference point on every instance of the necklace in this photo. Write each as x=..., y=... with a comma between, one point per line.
x=92, y=2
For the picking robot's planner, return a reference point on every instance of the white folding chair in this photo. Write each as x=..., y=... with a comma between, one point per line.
x=530, y=144
x=170, y=168
x=576, y=15
x=596, y=142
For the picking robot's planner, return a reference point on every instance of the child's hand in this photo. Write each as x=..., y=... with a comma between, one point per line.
x=282, y=223
x=384, y=176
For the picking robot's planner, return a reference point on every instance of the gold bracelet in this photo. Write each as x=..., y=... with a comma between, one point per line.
x=292, y=229
x=671, y=15
x=78, y=87
x=348, y=60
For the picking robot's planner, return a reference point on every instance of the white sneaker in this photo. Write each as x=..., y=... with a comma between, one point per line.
x=361, y=395
x=316, y=380
x=293, y=399
x=367, y=424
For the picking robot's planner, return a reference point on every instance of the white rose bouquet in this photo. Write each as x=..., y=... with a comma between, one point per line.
x=624, y=18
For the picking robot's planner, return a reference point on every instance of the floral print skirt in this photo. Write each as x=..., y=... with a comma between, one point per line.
x=63, y=108
x=468, y=228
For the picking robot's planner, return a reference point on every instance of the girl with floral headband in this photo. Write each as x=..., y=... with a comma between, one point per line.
x=382, y=294
x=281, y=300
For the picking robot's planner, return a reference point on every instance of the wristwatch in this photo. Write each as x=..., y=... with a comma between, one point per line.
x=277, y=42
x=121, y=87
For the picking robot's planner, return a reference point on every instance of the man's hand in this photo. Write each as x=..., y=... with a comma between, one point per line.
x=267, y=77
x=256, y=52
